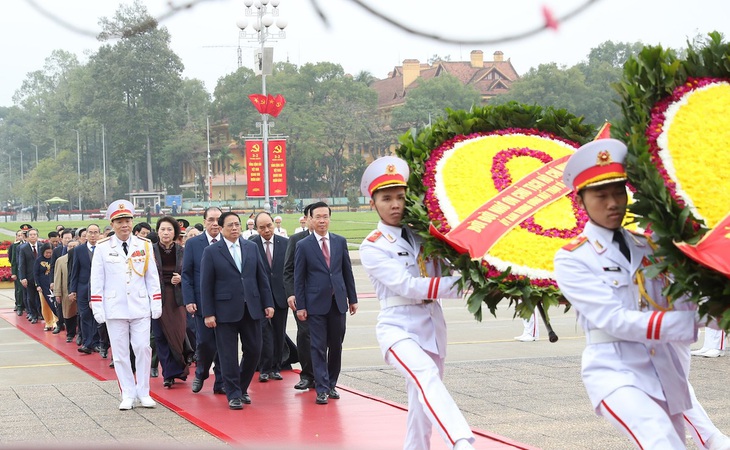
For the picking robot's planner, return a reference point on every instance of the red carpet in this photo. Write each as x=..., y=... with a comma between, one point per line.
x=279, y=415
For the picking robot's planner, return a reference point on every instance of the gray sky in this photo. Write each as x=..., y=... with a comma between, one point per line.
x=355, y=39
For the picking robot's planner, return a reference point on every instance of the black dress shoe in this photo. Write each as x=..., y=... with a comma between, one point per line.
x=304, y=384
x=20, y=312
x=263, y=377
x=219, y=391
x=168, y=382
x=235, y=403
x=104, y=353
x=154, y=372
x=57, y=330
x=33, y=320
x=78, y=339
x=84, y=349
x=111, y=364
x=321, y=398
x=275, y=376
x=334, y=395
x=245, y=398
x=197, y=385
x=69, y=339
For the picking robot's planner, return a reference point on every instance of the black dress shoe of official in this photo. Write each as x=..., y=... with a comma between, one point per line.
x=168, y=382
x=263, y=377
x=304, y=384
x=19, y=312
x=321, y=398
x=197, y=385
x=235, y=403
x=275, y=376
x=34, y=320
x=57, y=330
x=154, y=372
x=69, y=339
x=84, y=349
x=104, y=353
x=245, y=398
x=219, y=391
x=334, y=395
x=111, y=364
x=78, y=339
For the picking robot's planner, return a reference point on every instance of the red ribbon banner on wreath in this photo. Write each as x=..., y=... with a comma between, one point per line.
x=713, y=249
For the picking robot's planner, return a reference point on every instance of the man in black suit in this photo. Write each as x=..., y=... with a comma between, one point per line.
x=79, y=289
x=273, y=249
x=204, y=337
x=27, y=254
x=306, y=375
x=235, y=296
x=13, y=257
x=324, y=287
x=60, y=250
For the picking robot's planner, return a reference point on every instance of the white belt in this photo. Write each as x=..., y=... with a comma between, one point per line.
x=600, y=337
x=401, y=301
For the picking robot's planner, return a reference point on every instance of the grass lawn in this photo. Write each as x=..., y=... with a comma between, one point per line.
x=354, y=226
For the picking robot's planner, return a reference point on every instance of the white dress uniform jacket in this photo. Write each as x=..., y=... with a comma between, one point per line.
x=630, y=342
x=124, y=286
x=393, y=267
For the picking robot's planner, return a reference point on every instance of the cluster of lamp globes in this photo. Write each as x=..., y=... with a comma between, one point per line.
x=265, y=17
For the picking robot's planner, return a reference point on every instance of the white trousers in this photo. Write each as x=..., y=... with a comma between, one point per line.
x=714, y=339
x=429, y=402
x=698, y=423
x=643, y=419
x=122, y=333
x=531, y=327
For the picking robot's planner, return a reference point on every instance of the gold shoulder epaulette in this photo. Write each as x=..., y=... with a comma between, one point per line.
x=575, y=243
x=103, y=240
x=374, y=235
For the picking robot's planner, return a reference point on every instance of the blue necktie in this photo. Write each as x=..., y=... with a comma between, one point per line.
x=237, y=255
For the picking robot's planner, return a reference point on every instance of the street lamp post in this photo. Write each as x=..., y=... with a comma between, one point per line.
x=78, y=167
x=263, y=19
x=21, y=165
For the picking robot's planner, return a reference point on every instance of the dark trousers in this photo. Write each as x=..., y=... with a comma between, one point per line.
x=303, y=349
x=171, y=367
x=326, y=332
x=32, y=301
x=87, y=324
x=273, y=333
x=19, y=296
x=70, y=326
x=237, y=376
x=207, y=353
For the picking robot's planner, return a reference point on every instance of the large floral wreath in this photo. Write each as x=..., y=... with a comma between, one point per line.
x=464, y=160
x=677, y=123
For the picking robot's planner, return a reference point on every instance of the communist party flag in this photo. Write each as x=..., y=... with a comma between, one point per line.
x=713, y=249
x=276, y=104
x=259, y=102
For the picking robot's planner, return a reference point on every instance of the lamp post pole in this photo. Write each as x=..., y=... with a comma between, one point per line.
x=263, y=19
x=21, y=165
x=78, y=167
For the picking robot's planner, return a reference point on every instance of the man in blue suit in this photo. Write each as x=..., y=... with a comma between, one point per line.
x=325, y=291
x=235, y=296
x=273, y=249
x=204, y=336
x=79, y=289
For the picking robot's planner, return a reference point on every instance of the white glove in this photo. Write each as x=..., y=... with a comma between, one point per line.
x=156, y=310
x=98, y=312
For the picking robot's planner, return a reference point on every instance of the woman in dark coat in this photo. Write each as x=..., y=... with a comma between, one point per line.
x=173, y=349
x=43, y=280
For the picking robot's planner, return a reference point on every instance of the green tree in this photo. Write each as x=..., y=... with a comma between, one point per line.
x=429, y=100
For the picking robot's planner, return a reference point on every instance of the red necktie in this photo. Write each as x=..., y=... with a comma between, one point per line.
x=213, y=241
x=268, y=252
x=35, y=252
x=326, y=251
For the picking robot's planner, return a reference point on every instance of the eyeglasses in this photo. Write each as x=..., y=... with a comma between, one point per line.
x=233, y=225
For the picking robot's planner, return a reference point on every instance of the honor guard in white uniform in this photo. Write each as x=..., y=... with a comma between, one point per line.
x=125, y=293
x=411, y=329
x=635, y=366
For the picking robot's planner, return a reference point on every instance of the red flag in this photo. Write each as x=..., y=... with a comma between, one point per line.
x=604, y=132
x=259, y=101
x=276, y=104
x=713, y=248
x=550, y=21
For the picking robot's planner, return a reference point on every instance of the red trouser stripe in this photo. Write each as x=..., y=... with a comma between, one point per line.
x=650, y=326
x=623, y=424
x=423, y=394
x=699, y=436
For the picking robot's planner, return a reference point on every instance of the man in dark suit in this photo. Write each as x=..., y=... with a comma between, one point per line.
x=325, y=290
x=79, y=289
x=273, y=250
x=204, y=336
x=13, y=257
x=60, y=250
x=235, y=296
x=27, y=254
x=306, y=375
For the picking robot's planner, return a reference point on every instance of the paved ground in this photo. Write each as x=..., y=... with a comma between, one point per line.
x=530, y=392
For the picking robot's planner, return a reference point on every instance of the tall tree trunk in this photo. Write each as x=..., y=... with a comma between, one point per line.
x=150, y=185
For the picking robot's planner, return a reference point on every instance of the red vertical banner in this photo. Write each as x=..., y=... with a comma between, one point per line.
x=255, y=168
x=277, y=168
